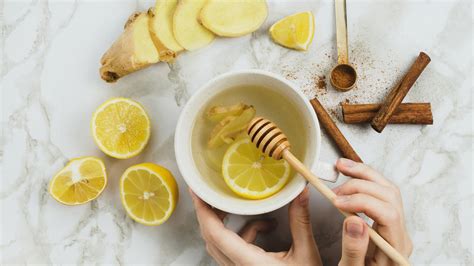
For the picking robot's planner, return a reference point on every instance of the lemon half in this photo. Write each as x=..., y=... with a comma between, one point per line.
x=149, y=193
x=80, y=181
x=121, y=128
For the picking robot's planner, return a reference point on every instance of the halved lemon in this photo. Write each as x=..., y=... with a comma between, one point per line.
x=121, y=128
x=149, y=193
x=295, y=31
x=80, y=181
x=250, y=173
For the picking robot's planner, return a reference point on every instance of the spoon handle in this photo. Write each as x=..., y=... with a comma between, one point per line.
x=331, y=196
x=341, y=32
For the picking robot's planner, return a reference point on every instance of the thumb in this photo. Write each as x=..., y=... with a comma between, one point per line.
x=355, y=241
x=300, y=224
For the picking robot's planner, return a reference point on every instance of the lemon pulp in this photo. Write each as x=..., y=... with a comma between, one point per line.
x=80, y=181
x=149, y=193
x=250, y=173
x=295, y=31
x=121, y=128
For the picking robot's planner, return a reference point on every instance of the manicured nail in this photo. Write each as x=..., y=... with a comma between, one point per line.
x=355, y=229
x=347, y=163
x=342, y=199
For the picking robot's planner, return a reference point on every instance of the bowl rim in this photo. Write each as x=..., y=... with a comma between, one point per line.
x=188, y=172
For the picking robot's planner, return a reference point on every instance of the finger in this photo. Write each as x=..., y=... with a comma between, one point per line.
x=381, y=212
x=361, y=171
x=214, y=232
x=279, y=254
x=355, y=239
x=220, y=214
x=300, y=224
x=251, y=229
x=373, y=189
x=218, y=256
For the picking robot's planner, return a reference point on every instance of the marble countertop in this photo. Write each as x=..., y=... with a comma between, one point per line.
x=50, y=85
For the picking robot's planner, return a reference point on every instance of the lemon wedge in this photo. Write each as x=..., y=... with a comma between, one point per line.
x=149, y=193
x=250, y=173
x=80, y=181
x=295, y=31
x=121, y=128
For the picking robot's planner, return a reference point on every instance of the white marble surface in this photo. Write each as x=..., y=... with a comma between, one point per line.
x=50, y=86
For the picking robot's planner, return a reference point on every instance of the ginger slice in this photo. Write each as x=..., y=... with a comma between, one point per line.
x=217, y=113
x=233, y=18
x=187, y=30
x=161, y=29
x=132, y=51
x=229, y=127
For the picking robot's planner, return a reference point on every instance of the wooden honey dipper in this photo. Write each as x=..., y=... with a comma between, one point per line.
x=274, y=143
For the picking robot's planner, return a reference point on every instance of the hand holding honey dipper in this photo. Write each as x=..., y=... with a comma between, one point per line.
x=368, y=192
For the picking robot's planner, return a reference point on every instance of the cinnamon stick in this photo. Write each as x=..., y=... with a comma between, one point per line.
x=334, y=132
x=406, y=113
x=395, y=98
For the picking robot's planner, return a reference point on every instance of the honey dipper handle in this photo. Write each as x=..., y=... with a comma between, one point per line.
x=379, y=241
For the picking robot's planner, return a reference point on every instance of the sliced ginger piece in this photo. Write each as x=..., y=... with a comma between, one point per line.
x=161, y=29
x=233, y=18
x=217, y=113
x=227, y=129
x=187, y=30
x=132, y=51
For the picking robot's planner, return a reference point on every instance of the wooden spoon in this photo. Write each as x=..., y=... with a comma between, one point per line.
x=343, y=76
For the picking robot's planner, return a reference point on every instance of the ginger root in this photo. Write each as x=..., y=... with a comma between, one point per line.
x=132, y=51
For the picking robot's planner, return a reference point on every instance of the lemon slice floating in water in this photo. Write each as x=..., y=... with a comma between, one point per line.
x=251, y=174
x=149, y=193
x=80, y=181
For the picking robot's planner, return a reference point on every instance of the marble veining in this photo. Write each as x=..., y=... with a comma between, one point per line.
x=50, y=51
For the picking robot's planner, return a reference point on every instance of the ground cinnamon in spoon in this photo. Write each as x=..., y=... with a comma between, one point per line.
x=343, y=76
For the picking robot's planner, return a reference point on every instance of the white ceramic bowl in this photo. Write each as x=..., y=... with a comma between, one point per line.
x=229, y=202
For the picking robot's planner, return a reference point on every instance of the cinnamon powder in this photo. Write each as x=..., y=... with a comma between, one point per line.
x=343, y=76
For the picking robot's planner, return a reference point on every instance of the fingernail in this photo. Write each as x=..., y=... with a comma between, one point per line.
x=342, y=199
x=347, y=163
x=354, y=229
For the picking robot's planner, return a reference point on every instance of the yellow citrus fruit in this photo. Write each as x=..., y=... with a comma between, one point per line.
x=250, y=173
x=121, y=128
x=149, y=193
x=295, y=31
x=80, y=181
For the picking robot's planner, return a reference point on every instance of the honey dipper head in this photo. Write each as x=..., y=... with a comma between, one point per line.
x=268, y=137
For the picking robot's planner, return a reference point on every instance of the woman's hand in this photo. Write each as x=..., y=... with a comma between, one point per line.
x=369, y=192
x=229, y=248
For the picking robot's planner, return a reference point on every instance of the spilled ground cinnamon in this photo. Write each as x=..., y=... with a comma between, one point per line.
x=406, y=113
